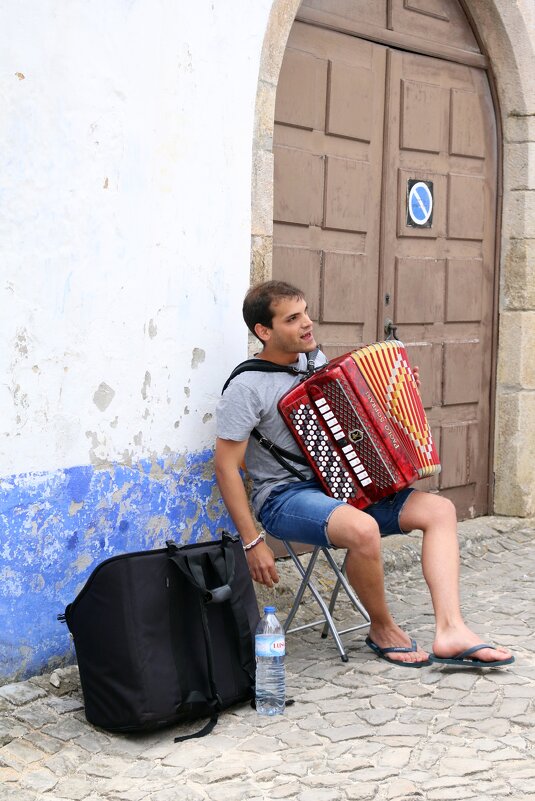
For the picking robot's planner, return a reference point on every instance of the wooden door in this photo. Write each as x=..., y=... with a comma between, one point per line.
x=357, y=123
x=437, y=281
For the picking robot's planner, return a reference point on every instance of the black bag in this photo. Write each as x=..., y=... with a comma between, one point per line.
x=165, y=636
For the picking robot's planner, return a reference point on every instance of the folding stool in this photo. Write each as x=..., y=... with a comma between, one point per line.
x=327, y=609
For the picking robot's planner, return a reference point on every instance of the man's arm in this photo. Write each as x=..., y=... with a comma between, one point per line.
x=229, y=456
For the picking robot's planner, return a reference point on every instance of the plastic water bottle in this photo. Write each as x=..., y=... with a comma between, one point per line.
x=270, y=679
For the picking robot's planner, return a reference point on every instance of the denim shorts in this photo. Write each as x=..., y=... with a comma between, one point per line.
x=300, y=511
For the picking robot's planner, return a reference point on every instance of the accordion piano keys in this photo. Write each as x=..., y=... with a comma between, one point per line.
x=361, y=424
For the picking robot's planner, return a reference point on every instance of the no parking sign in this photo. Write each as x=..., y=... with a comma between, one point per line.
x=419, y=204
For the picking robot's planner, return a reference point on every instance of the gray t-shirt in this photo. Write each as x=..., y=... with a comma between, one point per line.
x=250, y=401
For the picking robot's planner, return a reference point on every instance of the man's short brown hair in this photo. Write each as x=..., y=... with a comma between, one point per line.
x=257, y=305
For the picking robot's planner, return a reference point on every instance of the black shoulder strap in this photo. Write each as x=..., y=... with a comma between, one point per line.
x=264, y=366
x=261, y=366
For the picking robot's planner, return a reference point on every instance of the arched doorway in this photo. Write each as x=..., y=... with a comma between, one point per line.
x=373, y=99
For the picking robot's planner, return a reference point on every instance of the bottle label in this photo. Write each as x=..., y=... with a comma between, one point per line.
x=270, y=645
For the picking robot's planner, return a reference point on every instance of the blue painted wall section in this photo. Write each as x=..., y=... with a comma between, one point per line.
x=56, y=527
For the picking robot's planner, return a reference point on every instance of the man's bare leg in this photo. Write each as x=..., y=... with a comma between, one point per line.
x=358, y=533
x=437, y=518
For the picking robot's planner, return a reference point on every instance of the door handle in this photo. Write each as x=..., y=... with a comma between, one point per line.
x=390, y=329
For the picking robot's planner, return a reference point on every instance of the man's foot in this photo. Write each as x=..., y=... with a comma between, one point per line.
x=393, y=645
x=463, y=647
x=388, y=653
x=469, y=658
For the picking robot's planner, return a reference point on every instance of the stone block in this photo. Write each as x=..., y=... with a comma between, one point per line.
x=261, y=260
x=264, y=116
x=262, y=194
x=519, y=214
x=520, y=128
x=516, y=366
x=519, y=166
x=518, y=271
x=514, y=455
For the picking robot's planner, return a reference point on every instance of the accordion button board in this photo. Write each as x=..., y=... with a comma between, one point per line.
x=359, y=449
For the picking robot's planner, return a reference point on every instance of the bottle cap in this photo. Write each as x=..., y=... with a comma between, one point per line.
x=270, y=609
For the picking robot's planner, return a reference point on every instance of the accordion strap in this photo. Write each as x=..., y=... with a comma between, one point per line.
x=281, y=455
x=263, y=366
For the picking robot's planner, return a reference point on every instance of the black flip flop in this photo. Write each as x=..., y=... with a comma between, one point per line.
x=382, y=653
x=461, y=660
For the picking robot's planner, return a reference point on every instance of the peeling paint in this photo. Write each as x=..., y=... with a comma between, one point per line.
x=146, y=385
x=207, y=418
x=56, y=527
x=187, y=392
x=153, y=330
x=103, y=396
x=74, y=508
x=21, y=342
x=197, y=357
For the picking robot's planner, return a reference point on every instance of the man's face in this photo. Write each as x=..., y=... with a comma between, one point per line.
x=291, y=328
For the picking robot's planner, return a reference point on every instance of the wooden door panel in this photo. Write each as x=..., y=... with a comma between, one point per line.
x=422, y=116
x=344, y=275
x=298, y=196
x=359, y=11
x=464, y=282
x=462, y=373
x=305, y=268
x=467, y=126
x=466, y=206
x=350, y=101
x=301, y=90
x=433, y=21
x=419, y=290
x=459, y=449
x=347, y=194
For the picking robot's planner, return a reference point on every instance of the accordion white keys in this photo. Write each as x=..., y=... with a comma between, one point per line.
x=361, y=424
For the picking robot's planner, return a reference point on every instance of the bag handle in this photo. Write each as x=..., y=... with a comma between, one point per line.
x=190, y=565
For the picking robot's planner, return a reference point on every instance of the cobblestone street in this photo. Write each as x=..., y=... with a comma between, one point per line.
x=359, y=730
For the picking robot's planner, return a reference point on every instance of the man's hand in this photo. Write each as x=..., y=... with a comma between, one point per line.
x=416, y=374
x=261, y=563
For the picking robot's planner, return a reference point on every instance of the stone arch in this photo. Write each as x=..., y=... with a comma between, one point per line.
x=506, y=32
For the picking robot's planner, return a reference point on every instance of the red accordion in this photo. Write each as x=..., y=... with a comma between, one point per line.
x=361, y=424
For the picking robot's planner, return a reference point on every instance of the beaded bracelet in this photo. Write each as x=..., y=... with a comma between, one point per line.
x=261, y=537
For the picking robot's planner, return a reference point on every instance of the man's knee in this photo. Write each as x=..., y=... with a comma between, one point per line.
x=363, y=536
x=437, y=511
x=444, y=509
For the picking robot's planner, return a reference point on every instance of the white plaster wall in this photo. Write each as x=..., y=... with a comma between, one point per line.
x=125, y=182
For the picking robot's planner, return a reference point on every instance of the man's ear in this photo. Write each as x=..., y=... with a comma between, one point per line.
x=262, y=332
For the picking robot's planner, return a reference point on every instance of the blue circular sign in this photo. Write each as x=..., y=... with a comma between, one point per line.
x=420, y=204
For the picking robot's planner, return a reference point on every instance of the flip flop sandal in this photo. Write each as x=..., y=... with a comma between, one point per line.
x=462, y=660
x=382, y=653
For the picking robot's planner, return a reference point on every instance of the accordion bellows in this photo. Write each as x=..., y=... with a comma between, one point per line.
x=361, y=424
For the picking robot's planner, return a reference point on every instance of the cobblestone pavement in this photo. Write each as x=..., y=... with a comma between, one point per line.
x=359, y=730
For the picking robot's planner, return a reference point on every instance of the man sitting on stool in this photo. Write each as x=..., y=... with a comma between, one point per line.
x=301, y=511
